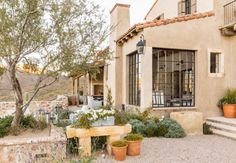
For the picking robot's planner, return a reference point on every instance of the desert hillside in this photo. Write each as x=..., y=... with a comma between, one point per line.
x=63, y=86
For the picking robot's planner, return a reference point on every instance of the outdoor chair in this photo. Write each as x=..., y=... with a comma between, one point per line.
x=94, y=104
x=158, y=99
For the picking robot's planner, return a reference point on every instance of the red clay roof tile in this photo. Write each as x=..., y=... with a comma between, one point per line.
x=141, y=26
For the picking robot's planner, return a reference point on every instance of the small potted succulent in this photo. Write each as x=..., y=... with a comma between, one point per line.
x=228, y=103
x=119, y=149
x=134, y=144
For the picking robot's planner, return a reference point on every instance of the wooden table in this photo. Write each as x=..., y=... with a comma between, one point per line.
x=113, y=133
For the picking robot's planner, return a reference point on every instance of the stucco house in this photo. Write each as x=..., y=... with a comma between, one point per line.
x=188, y=60
x=90, y=84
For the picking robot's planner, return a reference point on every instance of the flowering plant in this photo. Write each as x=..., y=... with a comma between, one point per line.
x=86, y=119
x=94, y=115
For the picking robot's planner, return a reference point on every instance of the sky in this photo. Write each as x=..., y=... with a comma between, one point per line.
x=138, y=9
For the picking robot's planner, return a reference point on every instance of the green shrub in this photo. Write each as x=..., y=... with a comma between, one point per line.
x=134, y=137
x=138, y=127
x=5, y=124
x=119, y=143
x=131, y=116
x=150, y=128
x=143, y=116
x=63, y=123
x=28, y=122
x=155, y=119
x=121, y=118
x=64, y=114
x=170, y=129
x=175, y=131
x=206, y=129
x=98, y=143
x=83, y=122
x=162, y=130
x=41, y=124
x=228, y=98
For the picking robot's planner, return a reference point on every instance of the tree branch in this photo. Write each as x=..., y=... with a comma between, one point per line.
x=35, y=93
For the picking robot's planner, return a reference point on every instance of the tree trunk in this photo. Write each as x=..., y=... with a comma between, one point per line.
x=18, y=97
x=77, y=91
x=85, y=101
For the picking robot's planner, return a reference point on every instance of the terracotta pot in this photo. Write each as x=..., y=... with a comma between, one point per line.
x=119, y=153
x=134, y=148
x=229, y=110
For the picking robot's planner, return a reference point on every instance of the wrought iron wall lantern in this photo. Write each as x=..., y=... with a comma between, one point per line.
x=141, y=45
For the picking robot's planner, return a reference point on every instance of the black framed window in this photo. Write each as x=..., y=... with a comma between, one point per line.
x=187, y=7
x=173, y=78
x=134, y=79
x=214, y=62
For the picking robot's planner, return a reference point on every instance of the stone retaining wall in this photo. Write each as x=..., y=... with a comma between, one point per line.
x=35, y=149
x=7, y=108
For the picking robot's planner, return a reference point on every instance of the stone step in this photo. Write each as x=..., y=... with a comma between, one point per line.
x=223, y=127
x=224, y=133
x=222, y=120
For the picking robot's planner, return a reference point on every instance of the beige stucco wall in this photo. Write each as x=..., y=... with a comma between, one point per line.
x=205, y=5
x=170, y=8
x=120, y=23
x=201, y=35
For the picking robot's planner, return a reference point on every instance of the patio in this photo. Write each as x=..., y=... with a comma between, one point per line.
x=194, y=149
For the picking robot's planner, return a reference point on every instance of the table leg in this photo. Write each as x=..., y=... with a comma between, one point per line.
x=85, y=145
x=111, y=139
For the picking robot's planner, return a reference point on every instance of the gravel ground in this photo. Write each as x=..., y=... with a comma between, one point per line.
x=192, y=149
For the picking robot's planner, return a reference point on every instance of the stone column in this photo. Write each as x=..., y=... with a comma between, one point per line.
x=85, y=145
x=146, y=79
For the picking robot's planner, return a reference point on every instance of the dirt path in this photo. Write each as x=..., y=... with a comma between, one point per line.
x=194, y=149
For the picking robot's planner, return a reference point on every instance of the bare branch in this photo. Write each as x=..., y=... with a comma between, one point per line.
x=36, y=91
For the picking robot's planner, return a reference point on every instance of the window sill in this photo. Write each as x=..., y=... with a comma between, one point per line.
x=175, y=108
x=216, y=75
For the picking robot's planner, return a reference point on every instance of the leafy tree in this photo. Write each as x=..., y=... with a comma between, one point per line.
x=53, y=36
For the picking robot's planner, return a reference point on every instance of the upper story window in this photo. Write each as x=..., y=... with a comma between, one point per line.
x=186, y=7
x=215, y=63
x=160, y=17
x=230, y=13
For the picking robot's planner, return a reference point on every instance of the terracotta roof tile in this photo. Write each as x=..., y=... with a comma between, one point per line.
x=140, y=26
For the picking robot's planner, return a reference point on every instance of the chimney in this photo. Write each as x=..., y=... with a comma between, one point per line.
x=120, y=23
x=120, y=20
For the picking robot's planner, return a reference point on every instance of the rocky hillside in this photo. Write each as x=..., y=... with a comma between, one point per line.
x=27, y=81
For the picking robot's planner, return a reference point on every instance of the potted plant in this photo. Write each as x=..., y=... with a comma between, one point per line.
x=119, y=149
x=134, y=144
x=228, y=103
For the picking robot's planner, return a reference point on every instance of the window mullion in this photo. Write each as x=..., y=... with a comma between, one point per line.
x=180, y=75
x=165, y=91
x=172, y=74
